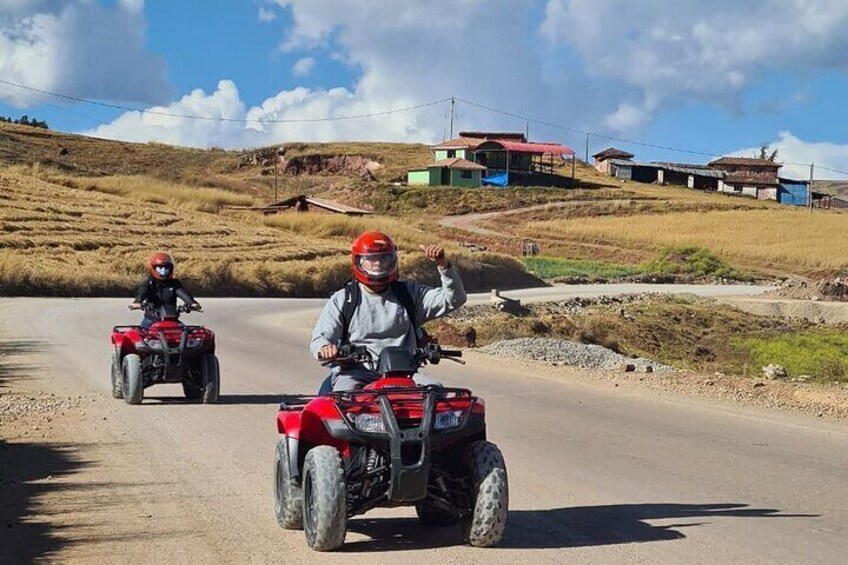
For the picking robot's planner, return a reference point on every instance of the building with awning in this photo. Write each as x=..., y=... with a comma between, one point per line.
x=503, y=159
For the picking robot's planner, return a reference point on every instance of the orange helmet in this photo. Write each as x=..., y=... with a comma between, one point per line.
x=374, y=258
x=161, y=266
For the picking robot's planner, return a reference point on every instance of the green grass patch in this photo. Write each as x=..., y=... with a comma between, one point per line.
x=556, y=267
x=821, y=354
x=690, y=260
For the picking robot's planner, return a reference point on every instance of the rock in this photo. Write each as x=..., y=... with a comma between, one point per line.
x=772, y=372
x=629, y=368
x=801, y=379
x=759, y=384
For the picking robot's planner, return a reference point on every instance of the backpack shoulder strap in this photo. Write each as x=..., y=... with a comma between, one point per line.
x=353, y=295
x=401, y=291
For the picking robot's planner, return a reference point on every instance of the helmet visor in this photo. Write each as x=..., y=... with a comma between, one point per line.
x=164, y=270
x=377, y=265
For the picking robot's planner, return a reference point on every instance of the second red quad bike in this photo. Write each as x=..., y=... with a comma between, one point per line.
x=166, y=352
x=391, y=443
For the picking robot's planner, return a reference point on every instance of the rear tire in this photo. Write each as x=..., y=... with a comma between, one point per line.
x=324, y=499
x=288, y=497
x=433, y=517
x=211, y=375
x=485, y=527
x=116, y=376
x=131, y=382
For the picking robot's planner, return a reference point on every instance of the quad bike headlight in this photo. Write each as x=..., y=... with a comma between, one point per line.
x=153, y=344
x=369, y=423
x=446, y=420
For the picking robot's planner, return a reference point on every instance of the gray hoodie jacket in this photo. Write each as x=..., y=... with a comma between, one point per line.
x=381, y=320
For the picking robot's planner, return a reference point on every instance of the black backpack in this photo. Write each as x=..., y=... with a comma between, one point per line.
x=353, y=296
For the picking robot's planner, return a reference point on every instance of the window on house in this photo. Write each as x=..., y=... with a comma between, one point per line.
x=465, y=174
x=451, y=153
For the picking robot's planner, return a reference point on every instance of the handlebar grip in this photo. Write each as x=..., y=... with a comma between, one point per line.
x=451, y=353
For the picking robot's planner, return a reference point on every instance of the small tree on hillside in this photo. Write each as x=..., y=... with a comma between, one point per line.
x=766, y=152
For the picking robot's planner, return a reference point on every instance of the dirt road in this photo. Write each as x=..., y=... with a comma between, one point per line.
x=598, y=473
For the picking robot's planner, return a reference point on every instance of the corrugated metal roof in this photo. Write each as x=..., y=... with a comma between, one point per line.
x=744, y=162
x=529, y=147
x=457, y=163
x=697, y=170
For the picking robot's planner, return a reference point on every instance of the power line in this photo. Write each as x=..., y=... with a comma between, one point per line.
x=217, y=118
x=586, y=132
x=525, y=118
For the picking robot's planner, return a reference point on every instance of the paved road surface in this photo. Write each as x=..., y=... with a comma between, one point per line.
x=597, y=474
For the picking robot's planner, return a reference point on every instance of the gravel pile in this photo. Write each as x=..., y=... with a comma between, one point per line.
x=824, y=289
x=562, y=352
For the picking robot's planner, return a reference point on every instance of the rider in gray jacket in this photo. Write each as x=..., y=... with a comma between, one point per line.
x=381, y=320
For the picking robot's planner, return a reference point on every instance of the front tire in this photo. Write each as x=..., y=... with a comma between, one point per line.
x=132, y=384
x=116, y=376
x=211, y=374
x=324, y=503
x=204, y=383
x=288, y=497
x=487, y=523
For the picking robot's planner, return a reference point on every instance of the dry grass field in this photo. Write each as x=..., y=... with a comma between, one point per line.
x=79, y=215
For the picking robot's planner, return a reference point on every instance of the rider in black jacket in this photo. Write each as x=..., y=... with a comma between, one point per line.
x=160, y=289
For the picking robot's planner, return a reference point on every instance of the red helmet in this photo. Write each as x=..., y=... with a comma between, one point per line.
x=161, y=266
x=374, y=258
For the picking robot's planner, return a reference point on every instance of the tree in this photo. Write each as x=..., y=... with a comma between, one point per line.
x=766, y=152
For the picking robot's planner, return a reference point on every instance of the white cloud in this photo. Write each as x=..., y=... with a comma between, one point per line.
x=303, y=66
x=80, y=48
x=706, y=51
x=266, y=14
x=481, y=52
x=607, y=65
x=796, y=154
x=261, y=125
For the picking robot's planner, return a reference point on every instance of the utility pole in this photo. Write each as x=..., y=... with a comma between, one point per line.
x=453, y=104
x=810, y=188
x=527, y=130
x=276, y=160
x=587, y=148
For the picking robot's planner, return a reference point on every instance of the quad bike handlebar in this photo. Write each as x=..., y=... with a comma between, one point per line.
x=430, y=353
x=183, y=308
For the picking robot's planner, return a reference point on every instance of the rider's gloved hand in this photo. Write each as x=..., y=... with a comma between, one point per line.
x=328, y=352
x=135, y=306
x=197, y=307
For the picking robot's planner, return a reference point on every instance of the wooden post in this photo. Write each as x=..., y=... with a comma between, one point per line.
x=573, y=161
x=587, y=148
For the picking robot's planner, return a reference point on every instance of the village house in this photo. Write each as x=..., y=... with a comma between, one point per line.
x=748, y=176
x=620, y=164
x=494, y=159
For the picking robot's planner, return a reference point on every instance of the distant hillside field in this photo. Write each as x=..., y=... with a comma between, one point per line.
x=80, y=215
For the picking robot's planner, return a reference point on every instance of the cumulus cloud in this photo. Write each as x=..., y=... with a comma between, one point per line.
x=222, y=119
x=80, y=48
x=482, y=52
x=303, y=66
x=705, y=51
x=796, y=154
x=607, y=65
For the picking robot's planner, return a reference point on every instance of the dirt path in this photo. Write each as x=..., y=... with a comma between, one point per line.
x=599, y=473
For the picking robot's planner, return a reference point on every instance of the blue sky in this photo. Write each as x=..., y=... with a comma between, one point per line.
x=719, y=78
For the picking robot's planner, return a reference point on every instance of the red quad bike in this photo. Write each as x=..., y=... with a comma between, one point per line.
x=391, y=443
x=166, y=352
